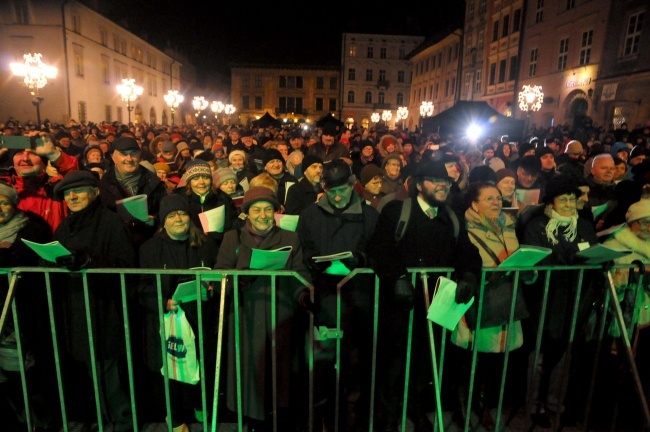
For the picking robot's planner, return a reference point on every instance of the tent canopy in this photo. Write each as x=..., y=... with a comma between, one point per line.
x=329, y=119
x=458, y=118
x=267, y=120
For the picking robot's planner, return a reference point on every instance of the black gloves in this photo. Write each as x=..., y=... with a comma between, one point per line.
x=75, y=261
x=318, y=267
x=404, y=293
x=464, y=291
x=307, y=304
x=358, y=259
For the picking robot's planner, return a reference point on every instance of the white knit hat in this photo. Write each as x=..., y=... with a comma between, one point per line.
x=237, y=152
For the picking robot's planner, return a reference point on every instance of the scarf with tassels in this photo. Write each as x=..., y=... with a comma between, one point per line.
x=570, y=223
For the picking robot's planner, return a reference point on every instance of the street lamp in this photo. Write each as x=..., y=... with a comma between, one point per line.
x=386, y=116
x=199, y=103
x=217, y=108
x=229, y=110
x=129, y=92
x=35, y=74
x=426, y=110
x=402, y=114
x=374, y=117
x=173, y=100
x=530, y=100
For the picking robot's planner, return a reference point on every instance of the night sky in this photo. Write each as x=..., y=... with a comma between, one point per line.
x=286, y=33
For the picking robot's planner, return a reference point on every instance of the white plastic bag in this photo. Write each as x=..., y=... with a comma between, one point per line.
x=182, y=364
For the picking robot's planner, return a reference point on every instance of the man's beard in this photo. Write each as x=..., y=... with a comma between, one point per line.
x=432, y=201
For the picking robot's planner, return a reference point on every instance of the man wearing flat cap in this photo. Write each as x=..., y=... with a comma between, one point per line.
x=96, y=238
x=341, y=221
x=308, y=189
x=127, y=178
x=255, y=152
x=329, y=149
x=434, y=236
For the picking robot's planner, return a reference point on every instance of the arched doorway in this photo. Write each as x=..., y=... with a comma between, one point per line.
x=577, y=106
x=152, y=116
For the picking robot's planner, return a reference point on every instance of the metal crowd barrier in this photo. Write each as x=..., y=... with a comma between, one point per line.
x=211, y=422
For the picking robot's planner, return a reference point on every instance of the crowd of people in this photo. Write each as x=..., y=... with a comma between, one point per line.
x=391, y=200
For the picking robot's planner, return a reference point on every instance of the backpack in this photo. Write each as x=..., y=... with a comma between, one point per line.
x=404, y=217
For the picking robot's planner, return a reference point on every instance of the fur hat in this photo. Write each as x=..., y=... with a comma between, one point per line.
x=638, y=210
x=170, y=203
x=560, y=184
x=541, y=151
x=9, y=191
x=369, y=172
x=238, y=152
x=530, y=164
x=309, y=160
x=197, y=167
x=272, y=154
x=259, y=193
x=73, y=179
x=125, y=143
x=335, y=173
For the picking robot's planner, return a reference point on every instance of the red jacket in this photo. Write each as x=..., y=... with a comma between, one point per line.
x=35, y=192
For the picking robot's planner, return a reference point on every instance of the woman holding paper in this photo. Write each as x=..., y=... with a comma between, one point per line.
x=205, y=200
x=178, y=244
x=562, y=230
x=256, y=328
x=492, y=231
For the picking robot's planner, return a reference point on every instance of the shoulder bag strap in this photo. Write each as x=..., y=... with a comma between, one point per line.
x=484, y=246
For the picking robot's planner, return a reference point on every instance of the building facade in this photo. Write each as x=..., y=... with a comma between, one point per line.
x=292, y=94
x=435, y=66
x=92, y=55
x=376, y=77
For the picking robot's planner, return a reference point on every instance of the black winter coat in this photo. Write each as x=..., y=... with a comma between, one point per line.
x=102, y=235
x=300, y=196
x=212, y=200
x=162, y=252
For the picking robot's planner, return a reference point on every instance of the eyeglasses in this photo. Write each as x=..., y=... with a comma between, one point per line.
x=492, y=199
x=180, y=213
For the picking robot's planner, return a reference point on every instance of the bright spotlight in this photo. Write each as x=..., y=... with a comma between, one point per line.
x=473, y=131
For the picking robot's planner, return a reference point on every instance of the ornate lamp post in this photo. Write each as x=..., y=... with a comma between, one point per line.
x=35, y=74
x=530, y=100
x=129, y=92
x=374, y=117
x=402, y=114
x=426, y=110
x=386, y=116
x=173, y=100
x=199, y=103
x=217, y=108
x=229, y=109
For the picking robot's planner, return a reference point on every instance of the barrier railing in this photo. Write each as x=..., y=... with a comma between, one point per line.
x=227, y=279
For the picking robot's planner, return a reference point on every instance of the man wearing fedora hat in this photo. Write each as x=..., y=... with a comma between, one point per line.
x=430, y=222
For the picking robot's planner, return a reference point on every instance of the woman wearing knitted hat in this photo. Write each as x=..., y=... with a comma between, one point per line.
x=506, y=183
x=178, y=244
x=203, y=196
x=255, y=326
x=565, y=233
x=240, y=165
